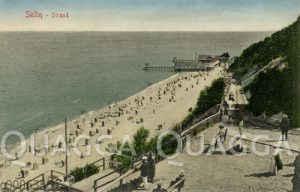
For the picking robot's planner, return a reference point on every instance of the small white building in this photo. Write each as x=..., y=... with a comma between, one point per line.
x=202, y=62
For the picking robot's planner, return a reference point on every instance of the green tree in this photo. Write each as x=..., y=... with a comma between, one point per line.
x=140, y=140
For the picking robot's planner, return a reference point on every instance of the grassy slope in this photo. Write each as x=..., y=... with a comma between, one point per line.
x=275, y=90
x=208, y=98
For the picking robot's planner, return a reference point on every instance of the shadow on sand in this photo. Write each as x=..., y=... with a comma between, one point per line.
x=266, y=141
x=288, y=175
x=289, y=165
x=266, y=174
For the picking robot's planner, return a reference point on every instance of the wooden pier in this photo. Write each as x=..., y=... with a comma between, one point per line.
x=200, y=63
x=158, y=68
x=148, y=67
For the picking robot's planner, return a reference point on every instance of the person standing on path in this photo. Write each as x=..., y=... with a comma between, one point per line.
x=276, y=163
x=151, y=164
x=241, y=126
x=284, y=127
x=145, y=172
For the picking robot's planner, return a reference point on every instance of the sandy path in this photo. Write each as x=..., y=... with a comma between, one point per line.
x=214, y=173
x=228, y=172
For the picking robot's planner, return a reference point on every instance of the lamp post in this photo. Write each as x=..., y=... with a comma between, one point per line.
x=66, y=142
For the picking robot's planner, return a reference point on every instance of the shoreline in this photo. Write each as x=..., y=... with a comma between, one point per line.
x=11, y=146
x=162, y=104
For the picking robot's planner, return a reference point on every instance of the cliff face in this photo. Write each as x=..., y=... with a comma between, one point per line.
x=296, y=178
x=277, y=89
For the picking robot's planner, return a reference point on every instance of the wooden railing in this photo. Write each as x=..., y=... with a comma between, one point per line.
x=38, y=182
x=105, y=186
x=208, y=116
x=197, y=125
x=120, y=172
x=177, y=186
x=58, y=186
x=119, y=179
x=103, y=163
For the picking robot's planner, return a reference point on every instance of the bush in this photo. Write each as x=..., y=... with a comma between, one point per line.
x=210, y=96
x=80, y=173
x=168, y=145
x=142, y=145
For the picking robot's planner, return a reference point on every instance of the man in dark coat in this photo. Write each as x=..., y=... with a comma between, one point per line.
x=284, y=127
x=145, y=172
x=151, y=164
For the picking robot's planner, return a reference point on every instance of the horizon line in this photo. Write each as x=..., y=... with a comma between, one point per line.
x=82, y=31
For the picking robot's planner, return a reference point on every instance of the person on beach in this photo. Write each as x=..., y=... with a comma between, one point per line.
x=276, y=163
x=284, y=127
x=108, y=131
x=145, y=172
x=151, y=165
x=22, y=172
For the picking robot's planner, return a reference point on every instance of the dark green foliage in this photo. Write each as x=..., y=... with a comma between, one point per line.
x=168, y=145
x=142, y=145
x=269, y=85
x=209, y=97
x=274, y=91
x=188, y=120
x=151, y=145
x=261, y=53
x=124, y=161
x=126, y=148
x=293, y=58
x=80, y=173
x=140, y=140
x=77, y=173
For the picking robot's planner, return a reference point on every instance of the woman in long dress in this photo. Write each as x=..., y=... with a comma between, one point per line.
x=276, y=163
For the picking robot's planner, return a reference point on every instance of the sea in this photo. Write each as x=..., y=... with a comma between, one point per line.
x=46, y=77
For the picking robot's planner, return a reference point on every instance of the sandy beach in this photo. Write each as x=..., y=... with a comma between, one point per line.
x=158, y=108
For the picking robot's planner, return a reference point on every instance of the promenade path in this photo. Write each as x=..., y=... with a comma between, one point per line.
x=238, y=96
x=269, y=137
x=223, y=172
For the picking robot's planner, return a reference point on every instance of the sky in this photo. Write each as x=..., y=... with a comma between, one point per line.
x=149, y=15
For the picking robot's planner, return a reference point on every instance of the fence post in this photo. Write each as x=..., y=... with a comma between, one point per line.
x=43, y=181
x=121, y=180
x=52, y=184
x=95, y=187
x=103, y=163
